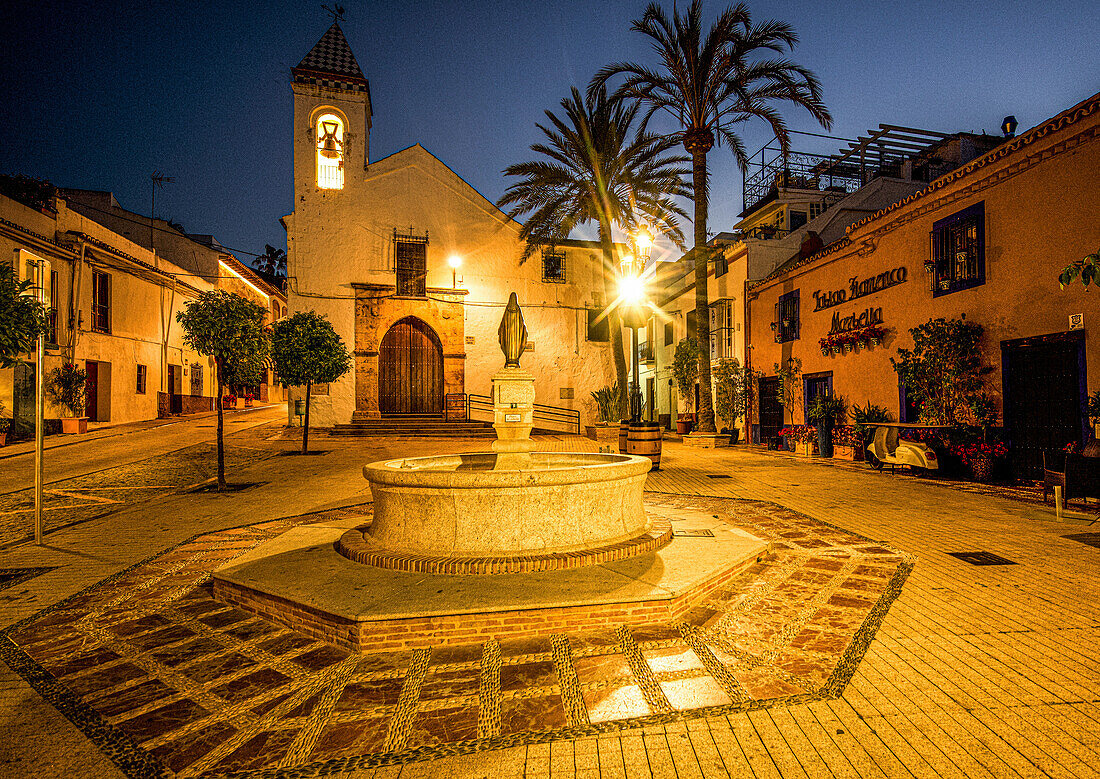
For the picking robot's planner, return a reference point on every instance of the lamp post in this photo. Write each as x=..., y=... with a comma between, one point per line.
x=455, y=261
x=632, y=292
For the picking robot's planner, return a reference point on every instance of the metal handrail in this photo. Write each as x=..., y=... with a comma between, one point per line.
x=542, y=412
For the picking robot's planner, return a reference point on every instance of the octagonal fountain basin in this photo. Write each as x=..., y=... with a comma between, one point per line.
x=466, y=514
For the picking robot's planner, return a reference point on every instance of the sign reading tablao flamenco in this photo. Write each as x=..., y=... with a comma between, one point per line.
x=857, y=288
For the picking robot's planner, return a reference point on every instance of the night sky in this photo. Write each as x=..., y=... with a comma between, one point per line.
x=98, y=95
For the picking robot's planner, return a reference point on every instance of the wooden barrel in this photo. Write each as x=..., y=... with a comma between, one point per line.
x=644, y=440
x=624, y=426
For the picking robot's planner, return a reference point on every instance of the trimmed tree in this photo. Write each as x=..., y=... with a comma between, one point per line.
x=943, y=372
x=685, y=369
x=307, y=350
x=22, y=317
x=230, y=329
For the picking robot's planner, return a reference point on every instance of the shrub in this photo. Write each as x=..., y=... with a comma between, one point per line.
x=685, y=368
x=67, y=386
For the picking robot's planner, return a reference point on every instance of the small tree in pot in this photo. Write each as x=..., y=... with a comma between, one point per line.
x=67, y=387
x=685, y=368
x=730, y=392
x=823, y=413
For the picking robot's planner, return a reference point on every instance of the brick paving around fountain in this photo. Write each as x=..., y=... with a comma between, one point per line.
x=159, y=675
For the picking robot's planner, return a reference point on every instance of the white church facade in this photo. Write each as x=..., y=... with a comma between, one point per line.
x=413, y=267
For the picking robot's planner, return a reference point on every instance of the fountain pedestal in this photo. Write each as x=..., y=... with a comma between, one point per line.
x=513, y=417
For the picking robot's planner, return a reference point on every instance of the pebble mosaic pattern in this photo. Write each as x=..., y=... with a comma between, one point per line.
x=166, y=680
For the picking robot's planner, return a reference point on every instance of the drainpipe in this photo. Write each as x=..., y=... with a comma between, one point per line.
x=747, y=313
x=77, y=282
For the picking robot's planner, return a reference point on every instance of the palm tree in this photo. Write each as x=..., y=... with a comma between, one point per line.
x=710, y=84
x=272, y=261
x=593, y=168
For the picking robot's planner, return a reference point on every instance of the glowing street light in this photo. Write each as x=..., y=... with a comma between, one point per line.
x=455, y=261
x=632, y=294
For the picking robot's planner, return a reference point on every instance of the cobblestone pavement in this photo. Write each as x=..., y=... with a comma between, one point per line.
x=100, y=494
x=976, y=670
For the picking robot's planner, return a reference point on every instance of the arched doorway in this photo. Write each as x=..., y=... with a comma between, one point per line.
x=410, y=369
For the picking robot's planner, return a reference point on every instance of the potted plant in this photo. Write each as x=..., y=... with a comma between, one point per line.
x=249, y=398
x=606, y=428
x=824, y=412
x=847, y=443
x=979, y=457
x=731, y=383
x=685, y=368
x=67, y=387
x=229, y=401
x=5, y=425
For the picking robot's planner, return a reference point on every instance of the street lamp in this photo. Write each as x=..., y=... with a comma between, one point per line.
x=455, y=261
x=632, y=295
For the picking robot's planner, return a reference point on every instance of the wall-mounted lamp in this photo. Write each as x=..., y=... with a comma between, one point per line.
x=455, y=261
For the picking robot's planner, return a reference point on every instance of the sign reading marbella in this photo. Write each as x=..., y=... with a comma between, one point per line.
x=858, y=289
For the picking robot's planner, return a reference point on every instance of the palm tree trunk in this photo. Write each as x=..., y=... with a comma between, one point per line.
x=305, y=426
x=614, y=322
x=221, y=430
x=705, y=412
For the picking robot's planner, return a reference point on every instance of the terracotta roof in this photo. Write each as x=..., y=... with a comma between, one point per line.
x=1064, y=119
x=331, y=56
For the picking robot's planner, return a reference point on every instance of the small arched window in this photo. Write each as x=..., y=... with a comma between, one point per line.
x=329, y=132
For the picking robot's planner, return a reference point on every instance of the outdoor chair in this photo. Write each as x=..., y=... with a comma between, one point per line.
x=1079, y=477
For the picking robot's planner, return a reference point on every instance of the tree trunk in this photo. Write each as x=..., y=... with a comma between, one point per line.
x=305, y=425
x=705, y=412
x=221, y=429
x=614, y=321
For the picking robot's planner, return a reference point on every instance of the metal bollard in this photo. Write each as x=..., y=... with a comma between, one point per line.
x=1058, y=503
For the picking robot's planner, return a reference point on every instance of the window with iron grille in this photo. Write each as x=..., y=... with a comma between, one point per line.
x=722, y=329
x=101, y=302
x=553, y=267
x=142, y=371
x=816, y=209
x=786, y=322
x=958, y=251
x=692, y=331
x=597, y=326
x=196, y=379
x=721, y=265
x=411, y=259
x=670, y=335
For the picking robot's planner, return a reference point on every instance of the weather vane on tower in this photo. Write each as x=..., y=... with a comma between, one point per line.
x=336, y=12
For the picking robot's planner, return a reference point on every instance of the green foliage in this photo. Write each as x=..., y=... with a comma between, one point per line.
x=943, y=372
x=5, y=420
x=865, y=418
x=68, y=386
x=228, y=328
x=685, y=368
x=827, y=410
x=36, y=193
x=607, y=402
x=22, y=317
x=272, y=261
x=790, y=383
x=1087, y=269
x=307, y=350
x=732, y=389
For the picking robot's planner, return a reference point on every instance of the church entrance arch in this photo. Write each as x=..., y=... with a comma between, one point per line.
x=410, y=369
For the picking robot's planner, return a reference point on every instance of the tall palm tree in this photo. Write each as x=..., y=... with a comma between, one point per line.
x=710, y=84
x=594, y=168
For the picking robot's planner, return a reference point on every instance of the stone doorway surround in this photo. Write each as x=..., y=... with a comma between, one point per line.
x=378, y=308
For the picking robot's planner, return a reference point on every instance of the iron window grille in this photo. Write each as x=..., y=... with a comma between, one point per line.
x=141, y=376
x=196, y=379
x=553, y=267
x=957, y=254
x=721, y=265
x=51, y=333
x=786, y=324
x=101, y=302
x=722, y=329
x=411, y=261
x=598, y=329
x=670, y=335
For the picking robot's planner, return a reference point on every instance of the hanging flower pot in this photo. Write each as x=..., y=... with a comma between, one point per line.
x=846, y=347
x=876, y=341
x=825, y=351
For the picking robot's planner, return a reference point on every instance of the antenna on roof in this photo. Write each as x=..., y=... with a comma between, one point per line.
x=158, y=181
x=336, y=12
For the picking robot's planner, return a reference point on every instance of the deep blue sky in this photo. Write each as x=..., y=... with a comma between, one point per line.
x=98, y=95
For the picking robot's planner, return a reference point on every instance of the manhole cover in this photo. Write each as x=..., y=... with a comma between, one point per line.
x=717, y=476
x=981, y=558
x=9, y=577
x=1092, y=539
x=693, y=533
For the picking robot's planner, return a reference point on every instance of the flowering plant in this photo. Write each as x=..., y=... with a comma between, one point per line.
x=873, y=331
x=249, y=397
x=1071, y=448
x=846, y=435
x=231, y=398
x=801, y=433
x=968, y=453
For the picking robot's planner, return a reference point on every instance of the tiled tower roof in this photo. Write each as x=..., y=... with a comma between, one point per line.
x=331, y=60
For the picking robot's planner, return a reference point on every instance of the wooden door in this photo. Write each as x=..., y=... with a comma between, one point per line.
x=91, y=388
x=771, y=411
x=1044, y=396
x=410, y=370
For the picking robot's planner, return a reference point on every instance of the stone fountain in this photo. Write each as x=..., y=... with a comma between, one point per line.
x=502, y=543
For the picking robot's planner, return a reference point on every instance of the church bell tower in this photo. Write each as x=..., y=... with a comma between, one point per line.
x=332, y=119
